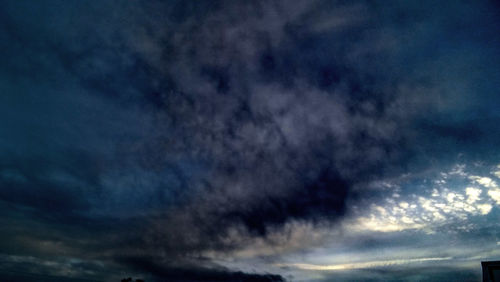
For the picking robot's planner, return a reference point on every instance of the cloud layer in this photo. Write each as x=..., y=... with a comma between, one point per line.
x=157, y=138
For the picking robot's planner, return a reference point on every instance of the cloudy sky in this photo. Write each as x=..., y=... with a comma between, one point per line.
x=271, y=140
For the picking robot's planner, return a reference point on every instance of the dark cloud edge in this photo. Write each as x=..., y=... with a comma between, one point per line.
x=188, y=273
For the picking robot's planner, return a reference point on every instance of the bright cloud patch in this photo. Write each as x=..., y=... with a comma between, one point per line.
x=493, y=189
x=444, y=205
x=485, y=181
x=495, y=195
x=472, y=194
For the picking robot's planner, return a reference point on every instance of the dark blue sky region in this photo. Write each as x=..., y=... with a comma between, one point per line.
x=249, y=140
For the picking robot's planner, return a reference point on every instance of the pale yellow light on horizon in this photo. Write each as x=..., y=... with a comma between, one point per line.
x=360, y=265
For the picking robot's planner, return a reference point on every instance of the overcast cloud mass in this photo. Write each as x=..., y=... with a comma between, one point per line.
x=249, y=140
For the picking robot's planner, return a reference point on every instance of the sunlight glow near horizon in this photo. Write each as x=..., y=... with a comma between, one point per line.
x=428, y=215
x=361, y=265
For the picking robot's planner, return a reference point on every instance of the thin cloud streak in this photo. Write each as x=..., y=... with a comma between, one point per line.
x=361, y=265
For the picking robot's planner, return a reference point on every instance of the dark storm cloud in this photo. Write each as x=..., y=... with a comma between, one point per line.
x=188, y=121
x=195, y=273
x=278, y=106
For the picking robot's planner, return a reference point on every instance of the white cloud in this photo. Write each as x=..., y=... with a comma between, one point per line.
x=485, y=181
x=381, y=224
x=472, y=194
x=495, y=195
x=484, y=208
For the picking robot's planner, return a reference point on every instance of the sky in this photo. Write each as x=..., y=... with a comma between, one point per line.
x=230, y=140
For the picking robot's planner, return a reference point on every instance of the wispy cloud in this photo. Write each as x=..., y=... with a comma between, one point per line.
x=361, y=265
